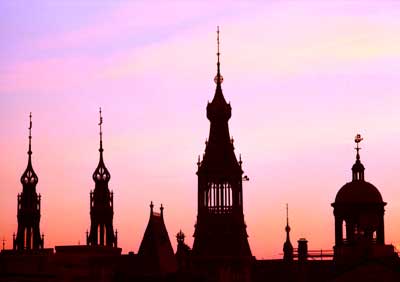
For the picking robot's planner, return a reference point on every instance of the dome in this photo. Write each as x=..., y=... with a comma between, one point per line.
x=358, y=192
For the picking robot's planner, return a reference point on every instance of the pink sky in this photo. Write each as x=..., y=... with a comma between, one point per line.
x=303, y=78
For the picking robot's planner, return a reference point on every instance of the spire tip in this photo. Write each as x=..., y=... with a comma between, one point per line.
x=218, y=78
x=101, y=131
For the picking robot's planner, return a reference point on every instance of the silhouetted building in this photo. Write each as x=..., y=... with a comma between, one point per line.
x=28, y=234
x=220, y=231
x=287, y=246
x=183, y=253
x=359, y=219
x=221, y=252
x=101, y=205
x=156, y=251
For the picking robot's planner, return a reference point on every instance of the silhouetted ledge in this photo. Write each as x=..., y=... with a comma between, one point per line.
x=47, y=251
x=88, y=250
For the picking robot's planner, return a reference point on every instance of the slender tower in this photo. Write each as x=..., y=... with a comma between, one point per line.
x=28, y=234
x=287, y=246
x=101, y=205
x=220, y=230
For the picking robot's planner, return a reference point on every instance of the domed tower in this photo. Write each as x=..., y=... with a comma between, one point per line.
x=359, y=224
x=101, y=205
x=28, y=234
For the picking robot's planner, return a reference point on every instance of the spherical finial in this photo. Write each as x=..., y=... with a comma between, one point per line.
x=218, y=79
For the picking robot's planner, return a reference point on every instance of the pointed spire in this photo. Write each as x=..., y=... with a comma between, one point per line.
x=287, y=228
x=218, y=78
x=358, y=167
x=101, y=173
x=287, y=246
x=218, y=108
x=101, y=132
x=30, y=136
x=29, y=175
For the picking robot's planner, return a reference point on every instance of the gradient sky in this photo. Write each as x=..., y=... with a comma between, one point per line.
x=303, y=77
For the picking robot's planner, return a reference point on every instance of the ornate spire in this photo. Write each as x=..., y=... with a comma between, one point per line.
x=30, y=135
x=218, y=78
x=218, y=108
x=358, y=168
x=29, y=176
x=101, y=132
x=287, y=246
x=101, y=173
x=287, y=228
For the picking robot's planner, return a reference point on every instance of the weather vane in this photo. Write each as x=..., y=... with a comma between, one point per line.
x=358, y=139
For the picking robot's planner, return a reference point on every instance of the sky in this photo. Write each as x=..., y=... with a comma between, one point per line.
x=303, y=78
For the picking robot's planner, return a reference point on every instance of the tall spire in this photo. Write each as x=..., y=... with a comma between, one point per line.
x=218, y=78
x=287, y=246
x=101, y=203
x=101, y=173
x=29, y=176
x=218, y=109
x=28, y=234
x=287, y=228
x=30, y=135
x=101, y=132
x=358, y=168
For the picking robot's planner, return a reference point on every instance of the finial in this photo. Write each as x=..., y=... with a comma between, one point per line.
x=218, y=44
x=101, y=132
x=240, y=159
x=358, y=139
x=151, y=207
x=30, y=134
x=180, y=236
x=218, y=78
x=287, y=228
x=161, y=209
x=287, y=214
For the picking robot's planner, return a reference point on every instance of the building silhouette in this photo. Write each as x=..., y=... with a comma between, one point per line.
x=359, y=218
x=28, y=234
x=220, y=231
x=287, y=246
x=155, y=249
x=221, y=252
x=101, y=205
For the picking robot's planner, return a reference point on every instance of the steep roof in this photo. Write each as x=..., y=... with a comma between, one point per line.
x=156, y=249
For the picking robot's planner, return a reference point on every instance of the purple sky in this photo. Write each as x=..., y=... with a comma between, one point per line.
x=303, y=78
